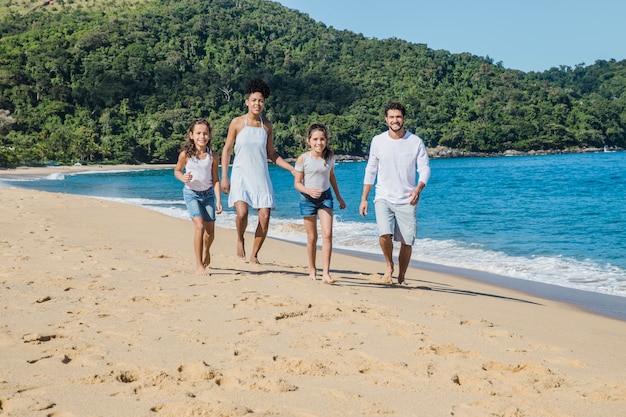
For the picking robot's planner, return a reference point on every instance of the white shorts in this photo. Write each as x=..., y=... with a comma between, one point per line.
x=399, y=220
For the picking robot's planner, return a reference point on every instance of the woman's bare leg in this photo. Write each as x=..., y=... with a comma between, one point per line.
x=241, y=224
x=260, y=234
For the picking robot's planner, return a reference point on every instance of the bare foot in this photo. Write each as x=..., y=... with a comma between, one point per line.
x=241, y=250
x=387, y=278
x=254, y=261
x=401, y=280
x=312, y=276
x=207, y=259
x=389, y=271
x=202, y=271
x=327, y=279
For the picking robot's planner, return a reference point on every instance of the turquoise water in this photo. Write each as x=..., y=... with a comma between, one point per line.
x=557, y=219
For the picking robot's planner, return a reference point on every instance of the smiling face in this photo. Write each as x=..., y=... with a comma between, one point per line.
x=317, y=141
x=395, y=121
x=200, y=134
x=255, y=103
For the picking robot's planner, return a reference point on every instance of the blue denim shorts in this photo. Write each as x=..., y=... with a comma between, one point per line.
x=309, y=206
x=200, y=203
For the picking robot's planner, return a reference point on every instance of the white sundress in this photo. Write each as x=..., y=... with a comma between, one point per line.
x=250, y=178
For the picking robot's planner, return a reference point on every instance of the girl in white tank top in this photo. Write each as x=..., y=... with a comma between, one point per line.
x=197, y=169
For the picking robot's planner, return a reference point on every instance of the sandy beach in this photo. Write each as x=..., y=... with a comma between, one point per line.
x=101, y=314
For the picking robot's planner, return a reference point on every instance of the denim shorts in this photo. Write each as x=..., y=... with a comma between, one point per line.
x=399, y=220
x=200, y=203
x=309, y=206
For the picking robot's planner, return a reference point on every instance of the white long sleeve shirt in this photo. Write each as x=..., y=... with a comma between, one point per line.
x=394, y=165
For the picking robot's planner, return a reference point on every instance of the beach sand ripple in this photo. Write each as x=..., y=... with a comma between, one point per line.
x=101, y=314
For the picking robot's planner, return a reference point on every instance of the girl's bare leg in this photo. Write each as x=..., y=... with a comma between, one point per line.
x=198, y=243
x=326, y=224
x=209, y=236
x=310, y=224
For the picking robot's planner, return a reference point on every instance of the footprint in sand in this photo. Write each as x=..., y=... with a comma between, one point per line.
x=195, y=408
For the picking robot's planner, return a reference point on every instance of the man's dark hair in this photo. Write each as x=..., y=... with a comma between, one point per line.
x=257, y=85
x=395, y=106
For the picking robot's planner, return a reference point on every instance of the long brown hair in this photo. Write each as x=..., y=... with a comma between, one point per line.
x=190, y=146
x=327, y=153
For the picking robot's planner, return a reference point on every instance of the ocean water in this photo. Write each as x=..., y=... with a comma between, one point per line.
x=556, y=219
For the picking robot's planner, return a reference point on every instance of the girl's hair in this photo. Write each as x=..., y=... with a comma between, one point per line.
x=190, y=146
x=327, y=153
x=257, y=85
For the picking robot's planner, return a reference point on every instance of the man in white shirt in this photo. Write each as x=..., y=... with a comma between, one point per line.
x=396, y=157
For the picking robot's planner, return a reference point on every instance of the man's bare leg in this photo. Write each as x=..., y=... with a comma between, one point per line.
x=386, y=244
x=403, y=260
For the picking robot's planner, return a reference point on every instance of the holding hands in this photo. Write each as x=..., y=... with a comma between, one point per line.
x=313, y=192
x=225, y=184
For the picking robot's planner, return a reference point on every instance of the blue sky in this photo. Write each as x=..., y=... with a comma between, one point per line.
x=529, y=35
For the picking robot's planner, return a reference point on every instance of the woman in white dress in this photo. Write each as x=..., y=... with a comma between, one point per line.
x=250, y=185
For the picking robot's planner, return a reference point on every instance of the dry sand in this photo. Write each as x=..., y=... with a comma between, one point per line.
x=101, y=315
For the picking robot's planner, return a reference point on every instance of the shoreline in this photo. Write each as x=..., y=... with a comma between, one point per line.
x=100, y=301
x=439, y=152
x=606, y=305
x=24, y=171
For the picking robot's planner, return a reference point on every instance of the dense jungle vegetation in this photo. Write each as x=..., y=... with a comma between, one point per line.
x=119, y=82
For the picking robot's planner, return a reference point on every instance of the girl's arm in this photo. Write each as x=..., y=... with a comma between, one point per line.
x=180, y=166
x=216, y=184
x=298, y=181
x=271, y=151
x=333, y=182
x=298, y=177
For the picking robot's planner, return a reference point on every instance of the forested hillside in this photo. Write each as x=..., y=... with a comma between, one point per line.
x=119, y=81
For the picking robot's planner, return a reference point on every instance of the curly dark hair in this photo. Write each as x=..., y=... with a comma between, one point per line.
x=257, y=85
x=395, y=106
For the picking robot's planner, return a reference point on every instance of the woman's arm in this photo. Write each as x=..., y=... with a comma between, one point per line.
x=226, y=152
x=216, y=184
x=271, y=151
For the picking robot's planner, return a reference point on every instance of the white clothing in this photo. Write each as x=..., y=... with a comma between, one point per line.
x=201, y=172
x=250, y=178
x=316, y=171
x=394, y=163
